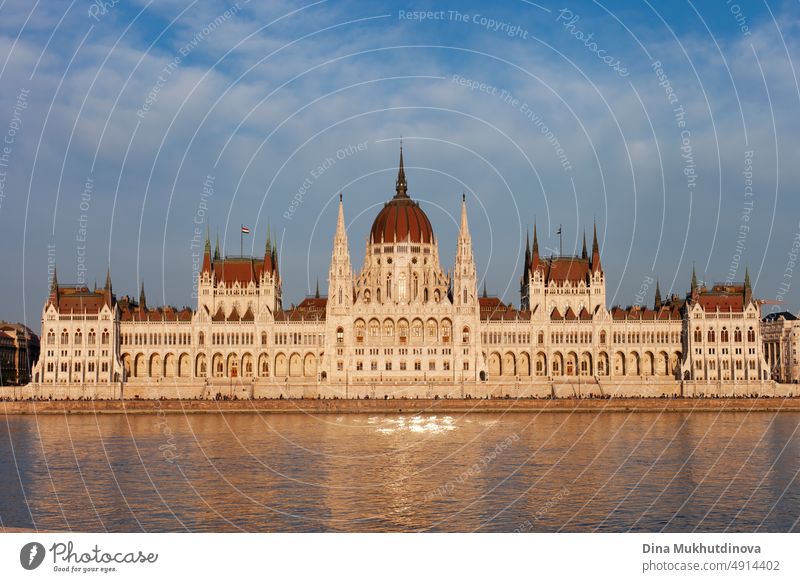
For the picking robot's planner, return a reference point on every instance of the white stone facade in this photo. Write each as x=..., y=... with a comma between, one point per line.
x=400, y=327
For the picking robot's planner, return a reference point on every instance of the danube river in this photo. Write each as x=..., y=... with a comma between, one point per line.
x=703, y=471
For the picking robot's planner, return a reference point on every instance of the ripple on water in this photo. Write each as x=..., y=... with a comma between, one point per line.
x=413, y=472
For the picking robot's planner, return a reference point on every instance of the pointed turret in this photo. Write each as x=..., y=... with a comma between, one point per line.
x=268, y=262
x=207, y=254
x=657, y=302
x=465, y=277
x=216, y=249
x=340, y=275
x=317, y=295
x=535, y=250
x=485, y=292
x=107, y=288
x=694, y=280
x=584, y=254
x=748, y=290
x=53, y=298
x=527, y=270
x=401, y=187
x=142, y=299
x=596, y=267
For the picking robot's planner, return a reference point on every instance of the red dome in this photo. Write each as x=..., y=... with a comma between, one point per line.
x=402, y=219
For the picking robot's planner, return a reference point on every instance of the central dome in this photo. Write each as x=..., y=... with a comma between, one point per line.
x=402, y=219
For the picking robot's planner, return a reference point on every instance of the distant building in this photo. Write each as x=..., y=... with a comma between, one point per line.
x=402, y=326
x=19, y=351
x=781, y=335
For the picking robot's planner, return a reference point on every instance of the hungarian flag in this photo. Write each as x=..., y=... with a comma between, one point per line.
x=245, y=230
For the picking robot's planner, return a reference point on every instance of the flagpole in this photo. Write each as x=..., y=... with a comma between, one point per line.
x=241, y=240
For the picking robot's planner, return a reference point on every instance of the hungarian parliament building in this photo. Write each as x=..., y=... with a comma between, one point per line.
x=402, y=326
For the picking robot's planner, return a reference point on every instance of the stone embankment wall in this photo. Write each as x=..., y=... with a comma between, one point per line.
x=630, y=388
x=403, y=406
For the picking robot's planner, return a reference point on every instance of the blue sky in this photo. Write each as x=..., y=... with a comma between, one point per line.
x=673, y=125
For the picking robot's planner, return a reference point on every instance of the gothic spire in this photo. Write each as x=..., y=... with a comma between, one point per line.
x=216, y=249
x=527, y=252
x=316, y=295
x=108, y=280
x=748, y=290
x=485, y=293
x=464, y=229
x=54, y=282
x=657, y=302
x=584, y=254
x=142, y=299
x=535, y=250
x=207, y=253
x=595, y=252
x=694, y=279
x=401, y=186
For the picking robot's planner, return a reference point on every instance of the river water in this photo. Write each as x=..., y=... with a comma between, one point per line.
x=704, y=471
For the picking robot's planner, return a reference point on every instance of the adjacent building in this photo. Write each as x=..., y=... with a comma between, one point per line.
x=781, y=333
x=19, y=350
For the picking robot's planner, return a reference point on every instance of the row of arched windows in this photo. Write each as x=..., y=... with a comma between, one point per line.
x=91, y=337
x=724, y=335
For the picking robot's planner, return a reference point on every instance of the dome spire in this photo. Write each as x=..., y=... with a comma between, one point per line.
x=401, y=187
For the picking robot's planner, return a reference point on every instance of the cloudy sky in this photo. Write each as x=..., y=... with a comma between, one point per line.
x=127, y=124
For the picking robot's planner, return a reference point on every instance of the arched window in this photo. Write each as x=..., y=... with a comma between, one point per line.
x=540, y=339
x=201, y=338
x=78, y=337
x=464, y=300
x=403, y=331
x=263, y=338
x=446, y=332
x=432, y=332
x=737, y=335
x=712, y=337
x=51, y=337
x=91, y=337
x=751, y=335
x=603, y=337
x=465, y=335
x=403, y=291
x=698, y=336
x=339, y=335
x=388, y=328
x=723, y=335
x=104, y=337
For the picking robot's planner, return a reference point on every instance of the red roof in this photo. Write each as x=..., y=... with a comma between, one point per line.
x=563, y=269
x=80, y=299
x=241, y=270
x=402, y=219
x=310, y=309
x=726, y=302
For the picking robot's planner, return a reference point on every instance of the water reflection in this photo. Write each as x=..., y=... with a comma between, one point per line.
x=703, y=471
